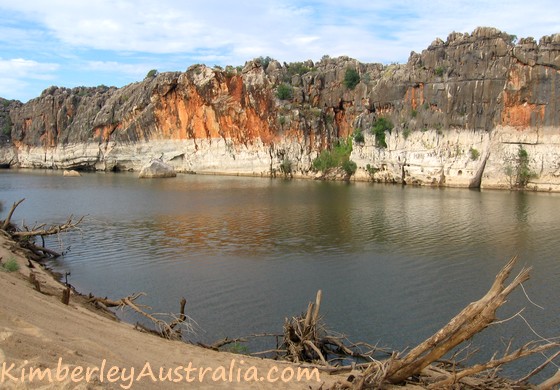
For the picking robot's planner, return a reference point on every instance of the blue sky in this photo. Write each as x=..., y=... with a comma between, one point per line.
x=116, y=42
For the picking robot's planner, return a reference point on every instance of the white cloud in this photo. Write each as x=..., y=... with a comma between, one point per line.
x=283, y=29
x=18, y=75
x=22, y=68
x=130, y=37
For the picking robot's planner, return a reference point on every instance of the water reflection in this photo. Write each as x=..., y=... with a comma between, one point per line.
x=395, y=263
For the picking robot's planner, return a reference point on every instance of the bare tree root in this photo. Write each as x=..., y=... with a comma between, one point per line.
x=306, y=340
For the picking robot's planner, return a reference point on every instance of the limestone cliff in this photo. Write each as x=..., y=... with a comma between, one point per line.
x=461, y=109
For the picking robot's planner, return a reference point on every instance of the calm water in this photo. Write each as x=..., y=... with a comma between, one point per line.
x=394, y=263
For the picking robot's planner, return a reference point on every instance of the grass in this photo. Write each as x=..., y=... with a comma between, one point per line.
x=10, y=266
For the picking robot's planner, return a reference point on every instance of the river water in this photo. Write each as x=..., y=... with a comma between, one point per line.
x=394, y=263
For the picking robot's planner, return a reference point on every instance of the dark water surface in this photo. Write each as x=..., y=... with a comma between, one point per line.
x=394, y=263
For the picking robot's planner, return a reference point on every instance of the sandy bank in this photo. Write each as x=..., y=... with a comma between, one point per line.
x=37, y=330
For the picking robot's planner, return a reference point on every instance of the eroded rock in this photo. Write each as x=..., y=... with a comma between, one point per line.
x=157, y=169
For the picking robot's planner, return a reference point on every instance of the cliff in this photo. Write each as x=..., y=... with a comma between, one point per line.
x=462, y=110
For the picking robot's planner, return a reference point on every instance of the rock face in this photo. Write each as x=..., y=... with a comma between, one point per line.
x=461, y=110
x=156, y=169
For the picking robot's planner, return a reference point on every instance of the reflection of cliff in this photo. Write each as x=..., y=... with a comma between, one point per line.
x=269, y=221
x=473, y=91
x=332, y=219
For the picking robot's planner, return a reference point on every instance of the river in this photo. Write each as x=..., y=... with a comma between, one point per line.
x=394, y=263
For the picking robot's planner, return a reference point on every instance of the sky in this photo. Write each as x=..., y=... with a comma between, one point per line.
x=71, y=43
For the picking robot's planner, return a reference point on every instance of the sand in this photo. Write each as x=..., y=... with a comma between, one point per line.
x=39, y=332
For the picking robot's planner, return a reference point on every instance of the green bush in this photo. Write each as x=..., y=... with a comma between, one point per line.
x=440, y=70
x=152, y=73
x=337, y=157
x=359, y=136
x=324, y=161
x=475, y=154
x=298, y=68
x=349, y=167
x=371, y=170
x=351, y=78
x=380, y=126
x=284, y=92
x=523, y=172
x=11, y=265
x=406, y=132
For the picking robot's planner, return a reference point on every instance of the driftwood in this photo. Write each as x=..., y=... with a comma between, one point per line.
x=305, y=340
x=54, y=229
x=25, y=238
x=222, y=342
x=170, y=330
x=419, y=362
x=6, y=223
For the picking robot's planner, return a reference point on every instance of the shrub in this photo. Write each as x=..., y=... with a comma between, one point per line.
x=359, y=136
x=265, y=61
x=475, y=154
x=379, y=128
x=371, y=170
x=351, y=78
x=337, y=157
x=284, y=91
x=406, y=132
x=324, y=161
x=440, y=70
x=523, y=172
x=11, y=265
x=286, y=166
x=230, y=71
x=298, y=68
x=152, y=73
x=349, y=167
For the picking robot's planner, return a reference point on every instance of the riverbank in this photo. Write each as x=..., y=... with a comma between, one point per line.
x=63, y=344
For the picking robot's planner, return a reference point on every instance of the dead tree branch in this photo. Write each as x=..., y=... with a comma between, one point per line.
x=54, y=229
x=8, y=219
x=164, y=329
x=471, y=320
x=25, y=238
x=419, y=362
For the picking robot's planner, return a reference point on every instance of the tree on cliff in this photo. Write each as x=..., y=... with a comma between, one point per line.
x=351, y=78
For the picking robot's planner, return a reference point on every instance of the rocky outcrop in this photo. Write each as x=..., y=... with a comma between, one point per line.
x=461, y=110
x=156, y=169
x=71, y=173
